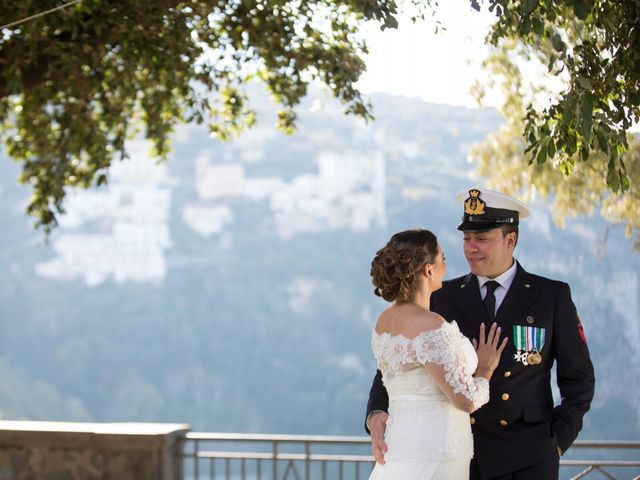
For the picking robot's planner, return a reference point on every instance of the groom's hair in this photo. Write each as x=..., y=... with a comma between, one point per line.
x=508, y=228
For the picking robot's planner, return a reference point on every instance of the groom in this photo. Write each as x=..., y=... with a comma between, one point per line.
x=519, y=434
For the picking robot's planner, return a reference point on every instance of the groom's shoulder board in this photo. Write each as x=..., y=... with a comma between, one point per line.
x=455, y=283
x=545, y=282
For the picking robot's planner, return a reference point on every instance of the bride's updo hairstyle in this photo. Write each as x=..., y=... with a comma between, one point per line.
x=395, y=268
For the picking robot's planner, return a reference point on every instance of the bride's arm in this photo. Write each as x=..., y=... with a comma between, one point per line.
x=465, y=392
x=444, y=358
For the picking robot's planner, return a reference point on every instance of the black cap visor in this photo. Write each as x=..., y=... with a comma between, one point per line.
x=492, y=218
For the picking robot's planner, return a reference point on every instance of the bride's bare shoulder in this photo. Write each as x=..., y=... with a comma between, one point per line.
x=408, y=322
x=426, y=322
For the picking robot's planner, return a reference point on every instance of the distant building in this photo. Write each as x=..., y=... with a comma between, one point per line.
x=131, y=216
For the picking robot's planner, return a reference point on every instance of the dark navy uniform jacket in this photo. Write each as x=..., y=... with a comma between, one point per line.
x=520, y=425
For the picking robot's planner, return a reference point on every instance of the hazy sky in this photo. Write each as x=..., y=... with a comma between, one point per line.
x=414, y=61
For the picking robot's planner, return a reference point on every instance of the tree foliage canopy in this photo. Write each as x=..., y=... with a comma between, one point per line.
x=569, y=136
x=75, y=83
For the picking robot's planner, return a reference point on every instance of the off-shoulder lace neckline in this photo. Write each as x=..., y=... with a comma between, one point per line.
x=410, y=339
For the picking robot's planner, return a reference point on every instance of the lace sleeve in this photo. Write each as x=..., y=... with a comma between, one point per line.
x=454, y=354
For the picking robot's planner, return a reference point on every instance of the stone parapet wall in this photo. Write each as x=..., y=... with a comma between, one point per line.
x=90, y=451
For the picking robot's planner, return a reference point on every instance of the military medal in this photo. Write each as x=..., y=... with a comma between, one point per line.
x=534, y=358
x=521, y=357
x=528, y=342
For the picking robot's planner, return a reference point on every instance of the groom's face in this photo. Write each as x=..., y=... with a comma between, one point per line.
x=490, y=252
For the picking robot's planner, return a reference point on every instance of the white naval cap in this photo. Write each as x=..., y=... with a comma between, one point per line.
x=486, y=209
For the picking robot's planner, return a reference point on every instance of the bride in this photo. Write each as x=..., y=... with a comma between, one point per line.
x=433, y=374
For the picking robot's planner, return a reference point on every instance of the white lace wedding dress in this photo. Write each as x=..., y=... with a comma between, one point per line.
x=426, y=436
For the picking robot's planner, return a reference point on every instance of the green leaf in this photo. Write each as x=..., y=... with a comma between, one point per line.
x=538, y=25
x=390, y=22
x=551, y=149
x=613, y=180
x=584, y=152
x=582, y=8
x=101, y=180
x=587, y=116
x=602, y=140
x=542, y=155
x=557, y=42
x=624, y=181
x=584, y=82
x=530, y=5
x=571, y=144
x=565, y=167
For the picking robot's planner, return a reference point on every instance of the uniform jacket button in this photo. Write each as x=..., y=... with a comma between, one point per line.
x=504, y=423
x=505, y=396
x=507, y=374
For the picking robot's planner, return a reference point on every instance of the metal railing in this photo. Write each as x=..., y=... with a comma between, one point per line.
x=626, y=467
x=214, y=456
x=234, y=456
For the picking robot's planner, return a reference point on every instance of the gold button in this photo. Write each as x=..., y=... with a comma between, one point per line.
x=505, y=396
x=507, y=374
x=473, y=420
x=504, y=423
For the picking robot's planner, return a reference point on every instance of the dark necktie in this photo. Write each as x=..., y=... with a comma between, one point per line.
x=490, y=299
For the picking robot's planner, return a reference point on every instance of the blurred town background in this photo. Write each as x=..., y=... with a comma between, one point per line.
x=229, y=289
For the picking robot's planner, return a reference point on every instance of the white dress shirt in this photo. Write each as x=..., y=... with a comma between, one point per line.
x=504, y=279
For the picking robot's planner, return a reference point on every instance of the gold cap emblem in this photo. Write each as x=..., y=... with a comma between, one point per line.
x=474, y=205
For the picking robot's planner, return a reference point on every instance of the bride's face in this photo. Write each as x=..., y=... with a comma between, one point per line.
x=439, y=268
